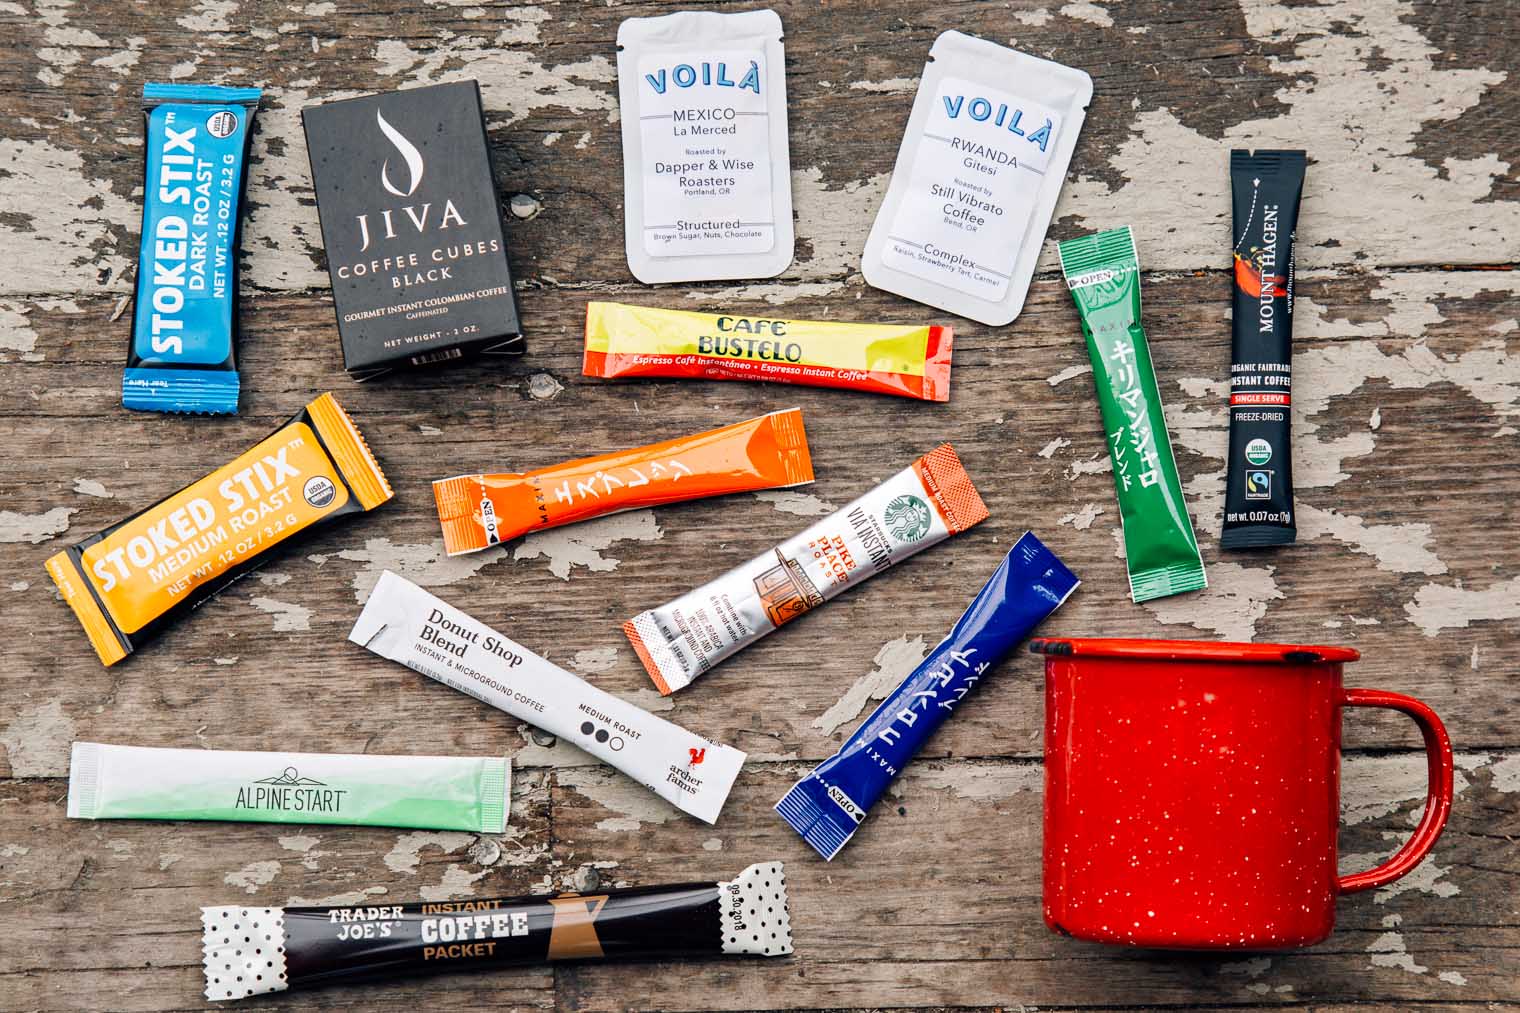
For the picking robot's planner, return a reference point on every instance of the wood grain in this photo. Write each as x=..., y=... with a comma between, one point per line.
x=1405, y=442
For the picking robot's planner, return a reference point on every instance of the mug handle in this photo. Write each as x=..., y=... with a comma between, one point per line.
x=1437, y=800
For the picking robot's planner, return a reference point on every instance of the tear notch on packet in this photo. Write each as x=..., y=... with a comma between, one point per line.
x=307, y=947
x=1102, y=271
x=183, y=353
x=977, y=177
x=827, y=805
x=110, y=782
x=707, y=176
x=1258, y=493
x=127, y=582
x=908, y=360
x=770, y=452
x=920, y=506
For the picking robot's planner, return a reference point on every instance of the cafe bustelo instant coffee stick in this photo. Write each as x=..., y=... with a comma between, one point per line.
x=127, y=582
x=1103, y=273
x=182, y=357
x=920, y=506
x=827, y=805
x=252, y=951
x=907, y=360
x=1258, y=492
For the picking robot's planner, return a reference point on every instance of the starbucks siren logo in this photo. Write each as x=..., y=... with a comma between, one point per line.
x=1258, y=452
x=907, y=518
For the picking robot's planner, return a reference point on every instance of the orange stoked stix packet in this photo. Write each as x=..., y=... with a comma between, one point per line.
x=908, y=360
x=770, y=452
x=125, y=583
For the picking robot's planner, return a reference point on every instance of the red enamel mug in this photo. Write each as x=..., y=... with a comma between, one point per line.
x=1192, y=791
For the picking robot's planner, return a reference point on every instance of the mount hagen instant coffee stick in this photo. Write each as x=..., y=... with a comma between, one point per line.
x=1258, y=494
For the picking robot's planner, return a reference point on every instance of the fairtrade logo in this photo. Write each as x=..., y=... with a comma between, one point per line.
x=291, y=776
x=907, y=518
x=1258, y=451
x=409, y=154
x=1258, y=485
x=319, y=490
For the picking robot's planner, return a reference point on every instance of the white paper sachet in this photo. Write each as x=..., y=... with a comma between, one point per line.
x=977, y=177
x=706, y=176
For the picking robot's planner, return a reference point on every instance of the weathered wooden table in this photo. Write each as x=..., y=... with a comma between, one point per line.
x=1408, y=393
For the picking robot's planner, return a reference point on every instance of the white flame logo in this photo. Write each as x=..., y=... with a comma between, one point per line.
x=409, y=153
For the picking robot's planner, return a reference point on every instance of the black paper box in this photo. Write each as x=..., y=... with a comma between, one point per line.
x=412, y=224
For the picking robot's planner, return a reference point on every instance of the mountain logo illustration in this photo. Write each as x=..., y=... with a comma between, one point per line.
x=290, y=776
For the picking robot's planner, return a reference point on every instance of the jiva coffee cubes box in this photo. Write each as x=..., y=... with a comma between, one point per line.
x=412, y=224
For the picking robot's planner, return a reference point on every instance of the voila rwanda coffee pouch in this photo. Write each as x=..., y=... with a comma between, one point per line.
x=412, y=225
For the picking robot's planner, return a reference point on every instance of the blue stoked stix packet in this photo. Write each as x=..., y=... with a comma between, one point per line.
x=827, y=805
x=184, y=325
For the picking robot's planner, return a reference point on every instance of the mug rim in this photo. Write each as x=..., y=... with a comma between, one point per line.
x=1192, y=650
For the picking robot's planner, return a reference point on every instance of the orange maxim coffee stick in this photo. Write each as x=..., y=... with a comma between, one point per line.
x=769, y=452
x=908, y=360
x=125, y=583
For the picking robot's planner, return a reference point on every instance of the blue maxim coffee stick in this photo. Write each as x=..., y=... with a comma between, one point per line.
x=828, y=804
x=185, y=321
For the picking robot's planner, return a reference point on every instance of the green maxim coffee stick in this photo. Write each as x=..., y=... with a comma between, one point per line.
x=1103, y=273
x=423, y=792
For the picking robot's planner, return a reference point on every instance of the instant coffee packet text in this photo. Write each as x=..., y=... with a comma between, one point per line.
x=920, y=506
x=770, y=452
x=182, y=357
x=249, y=951
x=1103, y=273
x=126, y=583
x=1258, y=491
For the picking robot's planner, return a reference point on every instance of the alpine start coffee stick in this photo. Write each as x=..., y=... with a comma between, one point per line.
x=412, y=226
x=977, y=177
x=770, y=452
x=923, y=504
x=827, y=805
x=1258, y=494
x=1160, y=550
x=469, y=793
x=406, y=624
x=707, y=180
x=129, y=581
x=183, y=353
x=252, y=951
x=909, y=360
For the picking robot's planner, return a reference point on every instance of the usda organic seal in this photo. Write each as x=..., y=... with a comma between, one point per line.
x=1258, y=452
x=907, y=518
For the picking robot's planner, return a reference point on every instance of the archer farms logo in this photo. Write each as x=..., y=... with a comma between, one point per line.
x=409, y=154
x=289, y=791
x=413, y=218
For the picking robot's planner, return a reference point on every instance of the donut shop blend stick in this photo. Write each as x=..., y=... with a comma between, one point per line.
x=1258, y=495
